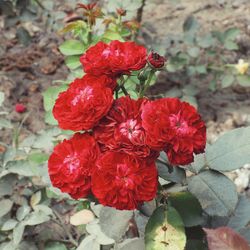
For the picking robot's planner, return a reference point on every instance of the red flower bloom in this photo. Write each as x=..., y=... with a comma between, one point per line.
x=175, y=127
x=102, y=81
x=156, y=60
x=82, y=105
x=123, y=181
x=20, y=108
x=114, y=59
x=121, y=129
x=71, y=164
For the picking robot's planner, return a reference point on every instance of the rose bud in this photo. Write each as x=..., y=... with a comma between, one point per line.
x=155, y=60
x=20, y=108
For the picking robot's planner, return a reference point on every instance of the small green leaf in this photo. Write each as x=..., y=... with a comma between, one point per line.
x=1, y=98
x=22, y=212
x=194, y=52
x=55, y=246
x=227, y=81
x=38, y=157
x=231, y=34
x=190, y=24
x=188, y=207
x=230, y=45
x=9, y=225
x=18, y=233
x=112, y=35
x=71, y=48
x=35, y=218
x=50, y=96
x=216, y=193
x=5, y=206
x=206, y=41
x=243, y=80
x=5, y=123
x=72, y=62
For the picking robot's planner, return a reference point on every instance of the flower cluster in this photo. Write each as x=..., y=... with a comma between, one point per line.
x=117, y=142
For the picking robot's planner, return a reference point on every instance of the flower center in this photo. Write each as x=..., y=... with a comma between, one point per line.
x=84, y=94
x=72, y=162
x=130, y=129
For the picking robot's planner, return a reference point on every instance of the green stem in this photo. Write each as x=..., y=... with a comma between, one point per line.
x=145, y=87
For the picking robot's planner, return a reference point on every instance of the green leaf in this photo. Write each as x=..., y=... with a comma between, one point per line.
x=198, y=163
x=55, y=246
x=73, y=62
x=216, y=193
x=18, y=233
x=49, y=118
x=89, y=242
x=9, y=225
x=176, y=174
x=5, y=123
x=227, y=81
x=241, y=215
x=194, y=52
x=112, y=35
x=50, y=96
x=190, y=24
x=23, y=168
x=243, y=80
x=230, y=151
x=188, y=207
x=72, y=47
x=5, y=206
x=165, y=230
x=1, y=98
x=231, y=34
x=94, y=229
x=7, y=184
x=206, y=41
x=22, y=212
x=114, y=223
x=230, y=45
x=38, y=157
x=36, y=218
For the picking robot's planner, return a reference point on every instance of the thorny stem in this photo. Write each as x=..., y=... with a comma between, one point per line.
x=71, y=239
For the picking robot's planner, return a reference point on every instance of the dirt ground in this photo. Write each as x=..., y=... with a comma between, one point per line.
x=25, y=72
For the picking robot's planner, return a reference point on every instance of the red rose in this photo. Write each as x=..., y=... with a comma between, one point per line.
x=175, y=127
x=102, y=81
x=123, y=181
x=20, y=108
x=156, y=60
x=114, y=59
x=82, y=105
x=71, y=164
x=121, y=129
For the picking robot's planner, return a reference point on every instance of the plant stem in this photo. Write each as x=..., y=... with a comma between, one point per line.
x=145, y=87
x=62, y=224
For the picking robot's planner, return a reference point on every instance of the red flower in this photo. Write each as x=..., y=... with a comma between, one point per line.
x=121, y=129
x=114, y=59
x=71, y=164
x=102, y=81
x=82, y=105
x=156, y=60
x=123, y=181
x=175, y=127
x=20, y=108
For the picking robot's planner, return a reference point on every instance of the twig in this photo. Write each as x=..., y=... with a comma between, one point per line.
x=62, y=224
